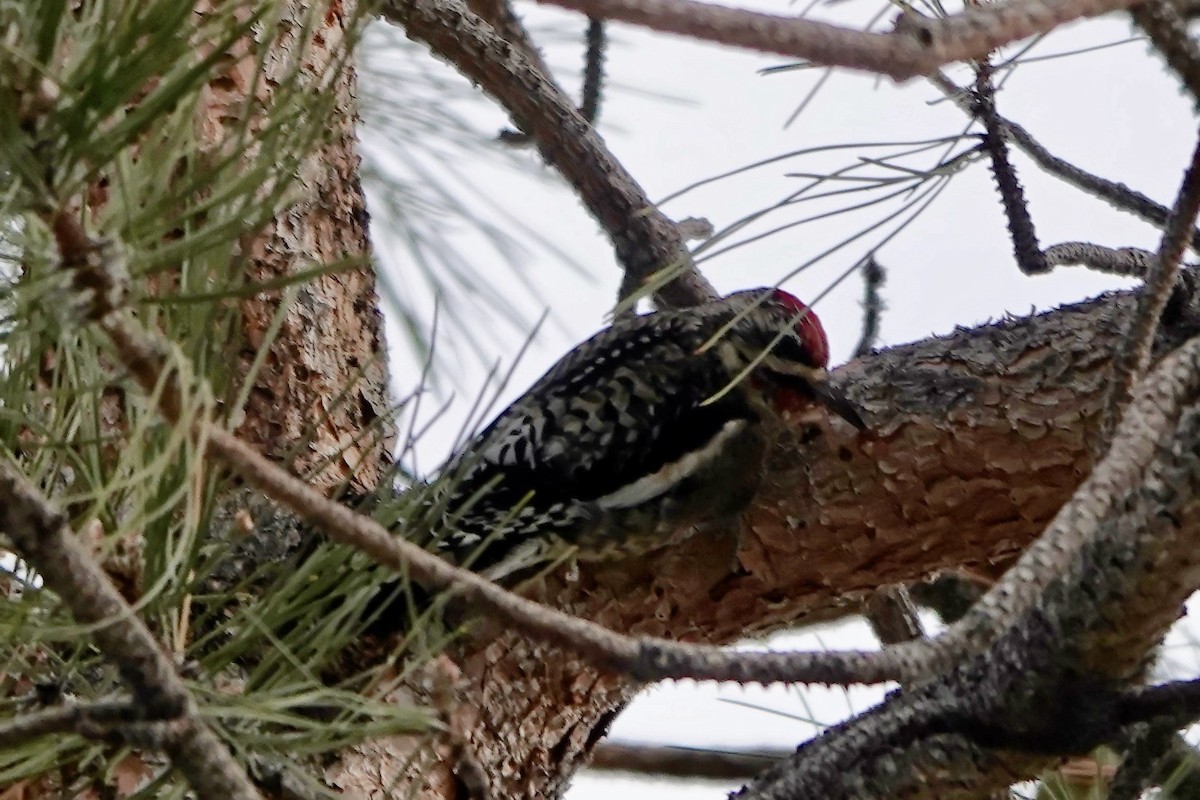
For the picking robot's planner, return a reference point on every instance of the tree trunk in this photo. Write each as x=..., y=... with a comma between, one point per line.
x=323, y=381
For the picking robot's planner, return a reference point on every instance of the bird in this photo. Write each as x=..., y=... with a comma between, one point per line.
x=650, y=428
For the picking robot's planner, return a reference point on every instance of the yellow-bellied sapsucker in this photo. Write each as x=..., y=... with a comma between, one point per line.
x=648, y=428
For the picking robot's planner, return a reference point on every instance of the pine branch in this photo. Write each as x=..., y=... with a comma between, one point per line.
x=41, y=535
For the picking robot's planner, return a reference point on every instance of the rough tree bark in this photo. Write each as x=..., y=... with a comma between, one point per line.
x=324, y=380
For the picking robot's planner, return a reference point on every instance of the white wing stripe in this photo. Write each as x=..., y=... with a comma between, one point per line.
x=651, y=486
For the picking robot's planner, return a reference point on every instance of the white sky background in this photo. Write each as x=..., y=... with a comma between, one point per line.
x=1113, y=112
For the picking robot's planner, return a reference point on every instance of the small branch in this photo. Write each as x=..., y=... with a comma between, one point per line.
x=41, y=535
x=99, y=720
x=1021, y=229
x=1168, y=31
x=645, y=241
x=1173, y=704
x=874, y=276
x=1133, y=356
x=593, y=71
x=892, y=615
x=1133, y=262
x=1130, y=262
x=917, y=47
x=682, y=762
x=1117, y=195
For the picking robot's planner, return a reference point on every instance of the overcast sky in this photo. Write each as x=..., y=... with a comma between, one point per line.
x=1112, y=111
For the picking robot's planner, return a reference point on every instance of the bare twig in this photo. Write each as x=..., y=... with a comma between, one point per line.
x=917, y=47
x=1131, y=359
x=1131, y=262
x=1116, y=194
x=1168, y=31
x=1021, y=229
x=682, y=762
x=103, y=719
x=646, y=242
x=892, y=615
x=595, y=41
x=593, y=71
x=41, y=535
x=874, y=276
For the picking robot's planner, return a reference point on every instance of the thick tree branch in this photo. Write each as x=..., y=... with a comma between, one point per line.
x=917, y=47
x=1054, y=683
x=1148, y=424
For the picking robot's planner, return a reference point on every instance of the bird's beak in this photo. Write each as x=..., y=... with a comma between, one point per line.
x=813, y=384
x=835, y=401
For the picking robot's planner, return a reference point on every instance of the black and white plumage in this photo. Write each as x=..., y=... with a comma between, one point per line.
x=646, y=429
